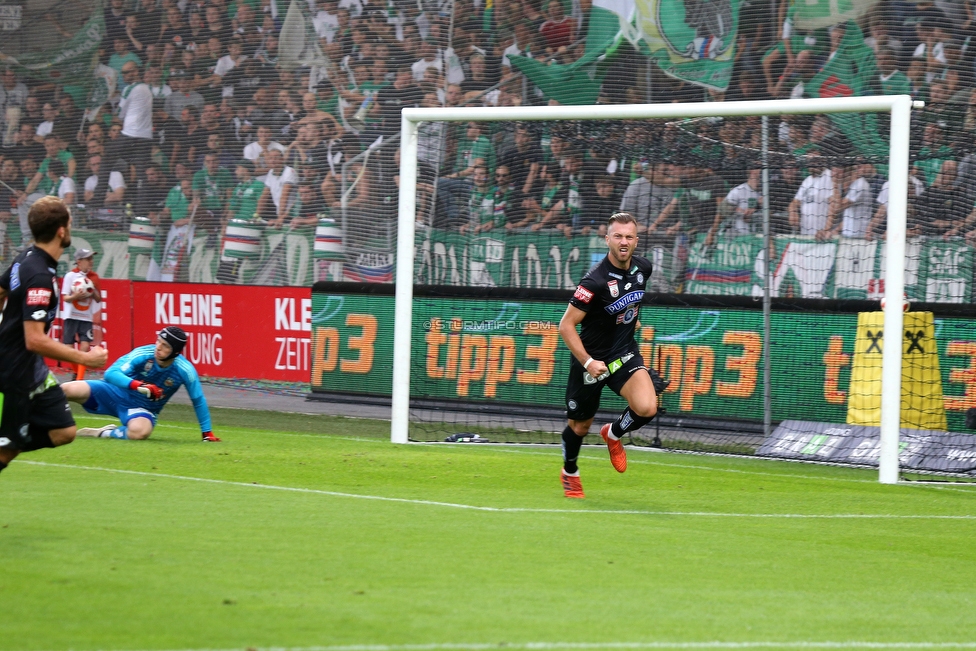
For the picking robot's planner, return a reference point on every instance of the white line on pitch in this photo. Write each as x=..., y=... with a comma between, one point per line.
x=494, y=509
x=543, y=646
x=960, y=488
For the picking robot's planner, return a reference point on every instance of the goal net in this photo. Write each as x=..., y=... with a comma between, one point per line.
x=485, y=271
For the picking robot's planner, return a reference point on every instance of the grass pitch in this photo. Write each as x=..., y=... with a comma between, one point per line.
x=317, y=532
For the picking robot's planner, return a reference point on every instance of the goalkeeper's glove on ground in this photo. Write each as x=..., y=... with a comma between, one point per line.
x=208, y=437
x=151, y=391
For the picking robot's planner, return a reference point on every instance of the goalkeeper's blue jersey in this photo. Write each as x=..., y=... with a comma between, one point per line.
x=140, y=364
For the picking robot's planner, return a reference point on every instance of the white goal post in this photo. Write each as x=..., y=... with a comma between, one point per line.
x=898, y=106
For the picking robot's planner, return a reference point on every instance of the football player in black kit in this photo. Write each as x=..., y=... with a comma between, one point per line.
x=34, y=413
x=606, y=306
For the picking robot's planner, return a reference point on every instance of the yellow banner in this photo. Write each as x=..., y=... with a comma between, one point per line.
x=922, y=404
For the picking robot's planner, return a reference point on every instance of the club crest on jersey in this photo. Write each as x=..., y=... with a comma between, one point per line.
x=168, y=382
x=614, y=290
x=640, y=278
x=148, y=366
x=583, y=294
x=629, y=315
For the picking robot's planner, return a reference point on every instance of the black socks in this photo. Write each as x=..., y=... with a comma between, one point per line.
x=628, y=422
x=572, y=442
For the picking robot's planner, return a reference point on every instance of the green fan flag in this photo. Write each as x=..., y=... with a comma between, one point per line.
x=816, y=14
x=692, y=40
x=71, y=61
x=579, y=82
x=852, y=71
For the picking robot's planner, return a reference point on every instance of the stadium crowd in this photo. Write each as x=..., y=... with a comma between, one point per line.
x=206, y=125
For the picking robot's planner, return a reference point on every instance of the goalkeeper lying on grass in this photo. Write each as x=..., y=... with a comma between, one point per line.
x=137, y=387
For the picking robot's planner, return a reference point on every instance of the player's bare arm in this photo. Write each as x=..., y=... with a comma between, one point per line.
x=38, y=342
x=567, y=330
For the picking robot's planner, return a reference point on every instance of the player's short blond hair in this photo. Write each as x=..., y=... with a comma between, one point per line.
x=621, y=218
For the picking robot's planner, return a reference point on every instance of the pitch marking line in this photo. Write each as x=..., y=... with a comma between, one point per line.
x=959, y=488
x=494, y=509
x=779, y=475
x=544, y=646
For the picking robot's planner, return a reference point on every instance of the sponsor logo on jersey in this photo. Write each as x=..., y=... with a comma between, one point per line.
x=38, y=315
x=640, y=278
x=38, y=296
x=627, y=286
x=583, y=294
x=168, y=382
x=625, y=301
x=613, y=275
x=15, y=276
x=614, y=290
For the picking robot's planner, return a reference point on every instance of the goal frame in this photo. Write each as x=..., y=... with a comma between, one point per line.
x=899, y=107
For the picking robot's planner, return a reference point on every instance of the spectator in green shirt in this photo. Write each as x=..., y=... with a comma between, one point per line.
x=481, y=208
x=55, y=151
x=211, y=189
x=178, y=203
x=893, y=80
x=122, y=56
x=244, y=197
x=472, y=150
x=40, y=183
x=212, y=184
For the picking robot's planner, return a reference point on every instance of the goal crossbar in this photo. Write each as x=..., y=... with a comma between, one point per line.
x=898, y=106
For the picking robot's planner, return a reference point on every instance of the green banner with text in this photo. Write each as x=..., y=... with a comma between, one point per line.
x=509, y=351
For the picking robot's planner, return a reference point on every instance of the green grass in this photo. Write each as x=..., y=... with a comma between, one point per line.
x=109, y=560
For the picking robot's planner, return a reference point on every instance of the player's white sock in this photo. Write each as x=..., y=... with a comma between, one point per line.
x=117, y=433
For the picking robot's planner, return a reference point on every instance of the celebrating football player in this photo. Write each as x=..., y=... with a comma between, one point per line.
x=606, y=306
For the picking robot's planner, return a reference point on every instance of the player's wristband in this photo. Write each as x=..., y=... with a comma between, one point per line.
x=587, y=363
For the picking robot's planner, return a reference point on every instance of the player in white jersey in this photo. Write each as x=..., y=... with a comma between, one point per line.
x=82, y=322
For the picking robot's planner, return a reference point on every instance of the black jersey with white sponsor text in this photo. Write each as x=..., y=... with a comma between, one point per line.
x=611, y=298
x=32, y=296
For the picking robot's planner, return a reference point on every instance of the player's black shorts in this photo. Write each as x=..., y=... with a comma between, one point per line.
x=583, y=390
x=22, y=413
x=77, y=330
